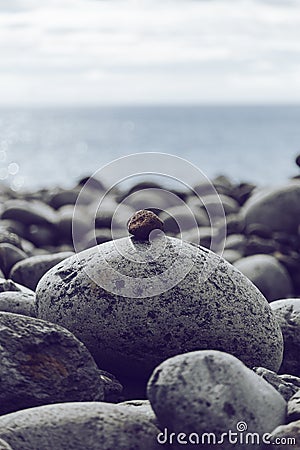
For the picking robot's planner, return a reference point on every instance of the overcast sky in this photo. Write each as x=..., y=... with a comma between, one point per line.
x=157, y=51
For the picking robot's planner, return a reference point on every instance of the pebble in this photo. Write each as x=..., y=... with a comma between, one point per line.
x=287, y=312
x=77, y=426
x=271, y=278
x=66, y=220
x=236, y=242
x=10, y=255
x=180, y=218
x=9, y=285
x=29, y=212
x=231, y=255
x=211, y=392
x=42, y=364
x=276, y=208
x=18, y=303
x=29, y=271
x=286, y=388
x=129, y=332
x=142, y=223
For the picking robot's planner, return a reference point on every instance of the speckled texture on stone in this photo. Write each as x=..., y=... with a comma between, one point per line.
x=271, y=277
x=131, y=335
x=285, y=388
x=287, y=313
x=42, y=363
x=78, y=426
x=276, y=208
x=18, y=303
x=29, y=271
x=210, y=392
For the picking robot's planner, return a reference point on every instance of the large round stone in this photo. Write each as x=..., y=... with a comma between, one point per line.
x=135, y=303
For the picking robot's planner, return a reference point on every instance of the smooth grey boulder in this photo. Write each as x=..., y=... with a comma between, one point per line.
x=276, y=208
x=211, y=392
x=271, y=277
x=135, y=304
x=18, y=302
x=42, y=363
x=77, y=426
x=287, y=388
x=287, y=312
x=29, y=212
x=29, y=271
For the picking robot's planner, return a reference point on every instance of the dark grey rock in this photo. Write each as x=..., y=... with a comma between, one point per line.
x=29, y=212
x=112, y=387
x=43, y=363
x=180, y=218
x=271, y=278
x=198, y=301
x=287, y=312
x=210, y=392
x=284, y=437
x=231, y=255
x=77, y=426
x=18, y=302
x=10, y=255
x=286, y=388
x=293, y=408
x=276, y=208
x=236, y=242
x=29, y=271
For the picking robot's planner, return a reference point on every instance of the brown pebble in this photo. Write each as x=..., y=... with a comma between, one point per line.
x=142, y=223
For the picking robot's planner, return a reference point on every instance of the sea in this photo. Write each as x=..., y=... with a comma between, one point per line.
x=45, y=147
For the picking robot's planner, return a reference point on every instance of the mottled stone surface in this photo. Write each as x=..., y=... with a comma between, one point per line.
x=18, y=302
x=29, y=271
x=210, y=392
x=293, y=408
x=42, y=363
x=271, y=277
x=287, y=312
x=286, y=388
x=78, y=426
x=198, y=301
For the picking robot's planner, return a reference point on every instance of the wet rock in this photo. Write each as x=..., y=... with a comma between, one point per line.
x=271, y=278
x=276, y=208
x=18, y=303
x=287, y=313
x=43, y=363
x=286, y=388
x=136, y=303
x=29, y=271
x=77, y=426
x=210, y=392
x=10, y=255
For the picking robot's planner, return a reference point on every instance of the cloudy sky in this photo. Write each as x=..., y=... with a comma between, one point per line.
x=149, y=51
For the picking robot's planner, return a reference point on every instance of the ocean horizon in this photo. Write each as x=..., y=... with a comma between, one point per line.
x=56, y=146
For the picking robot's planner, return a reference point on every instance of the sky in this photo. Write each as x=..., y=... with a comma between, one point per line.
x=99, y=52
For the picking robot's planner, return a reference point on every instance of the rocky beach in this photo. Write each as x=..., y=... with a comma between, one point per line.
x=128, y=326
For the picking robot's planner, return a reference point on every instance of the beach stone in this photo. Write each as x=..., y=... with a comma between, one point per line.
x=29, y=271
x=77, y=426
x=9, y=285
x=63, y=197
x=8, y=237
x=231, y=255
x=210, y=392
x=276, y=208
x=242, y=192
x=286, y=388
x=180, y=218
x=109, y=208
x=112, y=387
x=287, y=312
x=271, y=278
x=141, y=407
x=255, y=245
x=18, y=303
x=142, y=223
x=29, y=212
x=129, y=331
x=201, y=236
x=66, y=219
x=153, y=199
x=235, y=224
x=236, y=242
x=293, y=408
x=4, y=445
x=41, y=235
x=284, y=437
x=10, y=255
x=41, y=364
x=229, y=204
